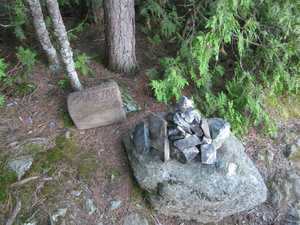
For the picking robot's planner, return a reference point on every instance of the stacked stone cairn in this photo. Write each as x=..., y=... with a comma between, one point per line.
x=182, y=134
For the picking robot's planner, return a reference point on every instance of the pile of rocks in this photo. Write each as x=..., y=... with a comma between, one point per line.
x=182, y=134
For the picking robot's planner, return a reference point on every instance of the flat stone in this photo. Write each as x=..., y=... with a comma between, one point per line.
x=115, y=204
x=90, y=207
x=20, y=165
x=188, y=141
x=141, y=138
x=205, y=128
x=96, y=106
x=159, y=136
x=176, y=137
x=208, y=154
x=186, y=155
x=173, y=131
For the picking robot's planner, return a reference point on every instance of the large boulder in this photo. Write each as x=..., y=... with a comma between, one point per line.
x=195, y=191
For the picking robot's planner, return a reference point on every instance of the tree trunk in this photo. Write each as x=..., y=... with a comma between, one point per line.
x=65, y=49
x=98, y=11
x=120, y=36
x=43, y=36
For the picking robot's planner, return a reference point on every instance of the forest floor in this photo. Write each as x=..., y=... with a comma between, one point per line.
x=93, y=162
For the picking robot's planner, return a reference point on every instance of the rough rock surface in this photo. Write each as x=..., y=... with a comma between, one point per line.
x=20, y=165
x=135, y=218
x=194, y=191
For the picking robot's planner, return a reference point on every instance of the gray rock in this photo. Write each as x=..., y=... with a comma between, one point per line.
x=289, y=150
x=175, y=137
x=284, y=188
x=181, y=121
x=205, y=128
x=219, y=131
x=194, y=191
x=90, y=207
x=135, y=218
x=76, y=193
x=141, y=138
x=191, y=116
x=185, y=105
x=297, y=142
x=20, y=165
x=115, y=204
x=292, y=216
x=208, y=154
x=159, y=136
x=130, y=104
x=206, y=140
x=197, y=130
x=186, y=155
x=173, y=131
x=188, y=141
x=58, y=213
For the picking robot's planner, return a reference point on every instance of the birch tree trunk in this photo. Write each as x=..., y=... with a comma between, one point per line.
x=65, y=48
x=43, y=36
x=120, y=36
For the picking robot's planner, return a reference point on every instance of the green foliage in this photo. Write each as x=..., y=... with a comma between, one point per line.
x=27, y=58
x=172, y=83
x=154, y=42
x=263, y=46
x=20, y=14
x=3, y=66
x=81, y=62
x=63, y=83
x=7, y=177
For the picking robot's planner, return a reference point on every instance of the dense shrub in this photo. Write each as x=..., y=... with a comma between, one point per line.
x=236, y=54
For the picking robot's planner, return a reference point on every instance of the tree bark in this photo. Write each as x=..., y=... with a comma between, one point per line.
x=66, y=51
x=120, y=36
x=98, y=11
x=43, y=36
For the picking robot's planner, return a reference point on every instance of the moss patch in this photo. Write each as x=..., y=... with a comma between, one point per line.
x=284, y=108
x=7, y=177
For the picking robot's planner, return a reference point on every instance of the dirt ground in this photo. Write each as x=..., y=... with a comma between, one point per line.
x=34, y=124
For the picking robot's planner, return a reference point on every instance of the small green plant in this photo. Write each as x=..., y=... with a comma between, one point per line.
x=63, y=83
x=113, y=218
x=81, y=62
x=112, y=177
x=138, y=205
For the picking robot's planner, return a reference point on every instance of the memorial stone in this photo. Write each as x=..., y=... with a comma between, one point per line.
x=96, y=106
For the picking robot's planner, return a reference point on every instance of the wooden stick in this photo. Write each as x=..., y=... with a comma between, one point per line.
x=14, y=214
x=24, y=181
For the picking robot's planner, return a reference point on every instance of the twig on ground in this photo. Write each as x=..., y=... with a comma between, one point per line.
x=24, y=181
x=14, y=214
